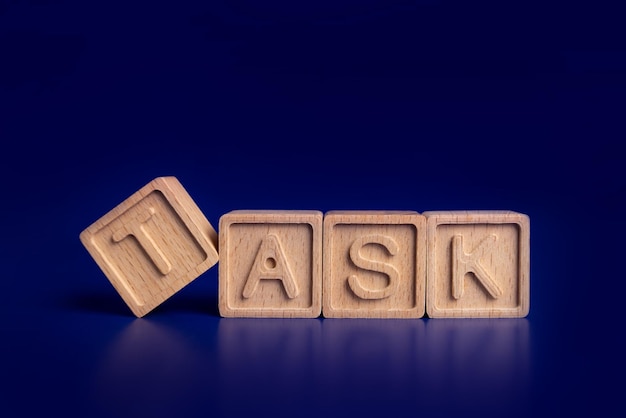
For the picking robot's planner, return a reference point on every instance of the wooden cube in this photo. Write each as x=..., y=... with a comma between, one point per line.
x=270, y=264
x=478, y=264
x=374, y=264
x=152, y=244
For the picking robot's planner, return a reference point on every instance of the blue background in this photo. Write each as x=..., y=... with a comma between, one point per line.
x=419, y=105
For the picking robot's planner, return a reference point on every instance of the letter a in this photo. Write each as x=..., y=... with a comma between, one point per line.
x=270, y=263
x=463, y=263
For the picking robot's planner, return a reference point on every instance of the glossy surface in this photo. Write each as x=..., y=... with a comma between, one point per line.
x=428, y=105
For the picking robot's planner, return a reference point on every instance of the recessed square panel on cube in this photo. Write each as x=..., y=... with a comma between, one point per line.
x=374, y=264
x=152, y=244
x=270, y=264
x=478, y=264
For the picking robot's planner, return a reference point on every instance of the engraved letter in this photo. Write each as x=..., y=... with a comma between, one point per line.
x=463, y=263
x=372, y=265
x=136, y=228
x=270, y=263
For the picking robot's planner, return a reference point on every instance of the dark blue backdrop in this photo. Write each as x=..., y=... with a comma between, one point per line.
x=419, y=105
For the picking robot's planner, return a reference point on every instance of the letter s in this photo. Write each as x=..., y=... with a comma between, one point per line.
x=372, y=265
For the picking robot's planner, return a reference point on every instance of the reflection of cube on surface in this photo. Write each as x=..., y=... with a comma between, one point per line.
x=270, y=264
x=153, y=244
x=478, y=264
x=374, y=264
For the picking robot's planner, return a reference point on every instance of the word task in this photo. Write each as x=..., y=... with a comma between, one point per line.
x=297, y=263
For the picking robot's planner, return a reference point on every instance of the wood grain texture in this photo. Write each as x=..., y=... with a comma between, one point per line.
x=152, y=244
x=478, y=264
x=270, y=264
x=374, y=264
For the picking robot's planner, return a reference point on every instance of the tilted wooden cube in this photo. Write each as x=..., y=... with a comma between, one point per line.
x=270, y=264
x=478, y=264
x=152, y=244
x=374, y=264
